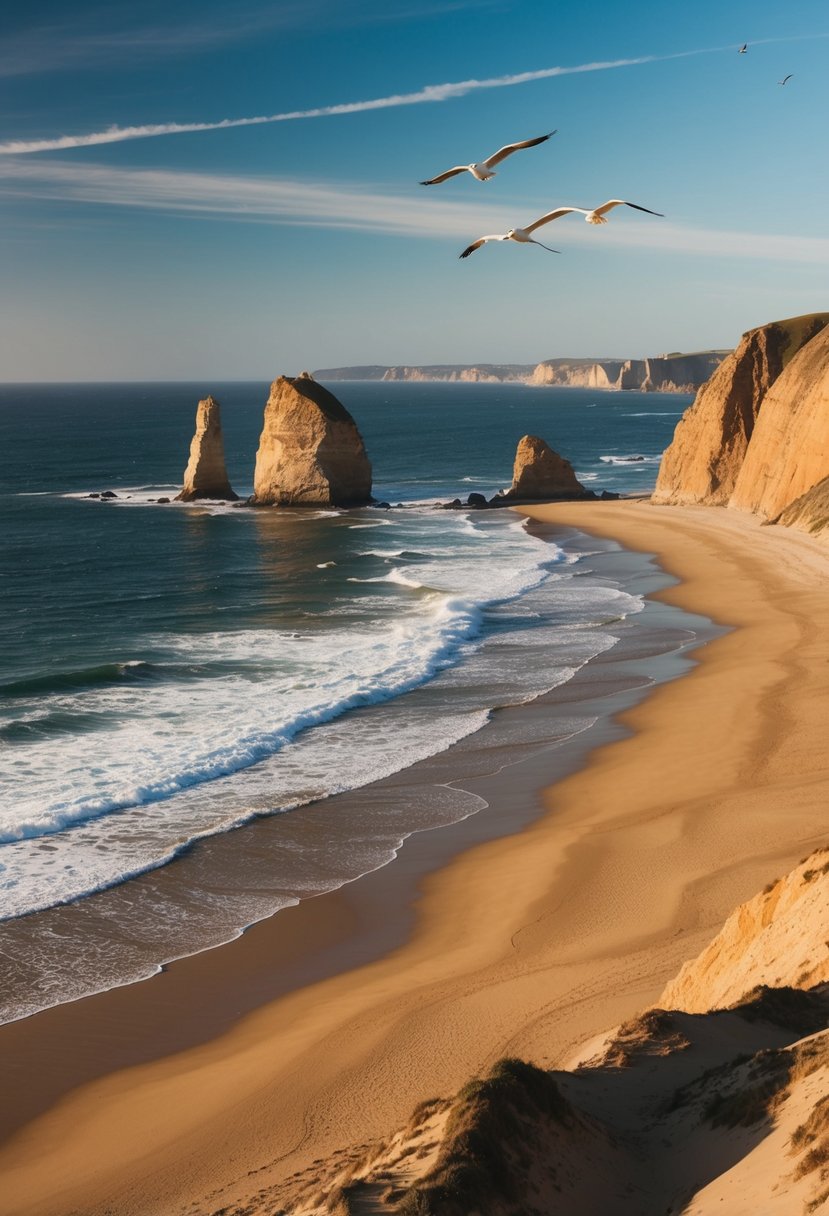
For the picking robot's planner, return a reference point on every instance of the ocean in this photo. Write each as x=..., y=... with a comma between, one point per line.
x=172, y=674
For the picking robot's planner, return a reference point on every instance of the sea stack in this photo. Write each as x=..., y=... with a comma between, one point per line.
x=310, y=451
x=206, y=475
x=540, y=473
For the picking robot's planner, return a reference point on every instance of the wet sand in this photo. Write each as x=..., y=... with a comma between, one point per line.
x=523, y=945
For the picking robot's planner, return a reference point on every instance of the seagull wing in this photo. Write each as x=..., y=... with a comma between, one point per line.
x=441, y=177
x=553, y=215
x=785, y=78
x=620, y=202
x=508, y=149
x=482, y=240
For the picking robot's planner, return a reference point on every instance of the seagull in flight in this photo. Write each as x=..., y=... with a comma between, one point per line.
x=483, y=170
x=743, y=49
x=785, y=78
x=522, y=235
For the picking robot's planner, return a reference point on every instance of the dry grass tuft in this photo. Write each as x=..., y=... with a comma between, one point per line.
x=492, y=1129
x=803, y=1012
x=653, y=1033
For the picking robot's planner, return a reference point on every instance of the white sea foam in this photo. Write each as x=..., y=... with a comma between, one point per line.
x=231, y=724
x=633, y=459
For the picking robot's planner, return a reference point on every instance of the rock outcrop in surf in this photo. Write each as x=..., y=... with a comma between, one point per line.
x=206, y=474
x=540, y=473
x=310, y=451
x=757, y=435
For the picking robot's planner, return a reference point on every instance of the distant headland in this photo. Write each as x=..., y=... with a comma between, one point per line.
x=669, y=373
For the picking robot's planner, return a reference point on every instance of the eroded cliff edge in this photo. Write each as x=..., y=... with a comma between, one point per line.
x=757, y=435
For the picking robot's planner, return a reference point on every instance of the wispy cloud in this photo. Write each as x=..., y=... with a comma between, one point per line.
x=348, y=206
x=431, y=93
x=51, y=48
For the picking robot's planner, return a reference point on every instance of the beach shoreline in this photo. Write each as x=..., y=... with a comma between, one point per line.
x=526, y=944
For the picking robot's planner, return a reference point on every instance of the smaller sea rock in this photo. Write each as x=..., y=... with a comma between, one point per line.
x=476, y=500
x=162, y=500
x=108, y=494
x=540, y=473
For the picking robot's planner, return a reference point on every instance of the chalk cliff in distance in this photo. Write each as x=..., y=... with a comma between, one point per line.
x=206, y=475
x=310, y=451
x=673, y=373
x=483, y=373
x=661, y=374
x=711, y=440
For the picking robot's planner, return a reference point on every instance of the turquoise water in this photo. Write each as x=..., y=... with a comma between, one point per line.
x=168, y=673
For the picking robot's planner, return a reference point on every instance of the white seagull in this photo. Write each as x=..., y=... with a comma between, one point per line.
x=482, y=170
x=743, y=49
x=522, y=235
x=785, y=78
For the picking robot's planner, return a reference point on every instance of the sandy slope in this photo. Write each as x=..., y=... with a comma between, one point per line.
x=526, y=946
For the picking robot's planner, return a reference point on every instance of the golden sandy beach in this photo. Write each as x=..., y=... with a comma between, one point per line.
x=524, y=946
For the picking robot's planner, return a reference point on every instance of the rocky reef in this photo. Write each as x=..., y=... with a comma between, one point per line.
x=539, y=474
x=310, y=451
x=206, y=474
x=757, y=435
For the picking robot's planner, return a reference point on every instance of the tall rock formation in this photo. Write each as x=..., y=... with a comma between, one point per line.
x=206, y=475
x=310, y=451
x=539, y=472
x=712, y=437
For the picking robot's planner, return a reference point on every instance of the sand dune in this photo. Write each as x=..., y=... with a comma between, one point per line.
x=715, y=1110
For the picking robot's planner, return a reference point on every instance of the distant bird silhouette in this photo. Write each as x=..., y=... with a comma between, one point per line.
x=522, y=235
x=743, y=49
x=482, y=170
x=785, y=78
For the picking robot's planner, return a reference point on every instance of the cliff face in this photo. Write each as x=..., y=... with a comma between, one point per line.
x=789, y=450
x=777, y=939
x=810, y=512
x=578, y=373
x=206, y=475
x=678, y=373
x=715, y=437
x=310, y=451
x=662, y=374
x=539, y=472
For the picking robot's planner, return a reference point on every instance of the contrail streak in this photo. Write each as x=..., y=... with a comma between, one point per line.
x=431, y=93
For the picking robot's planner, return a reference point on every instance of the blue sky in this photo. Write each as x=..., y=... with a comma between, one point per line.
x=250, y=250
